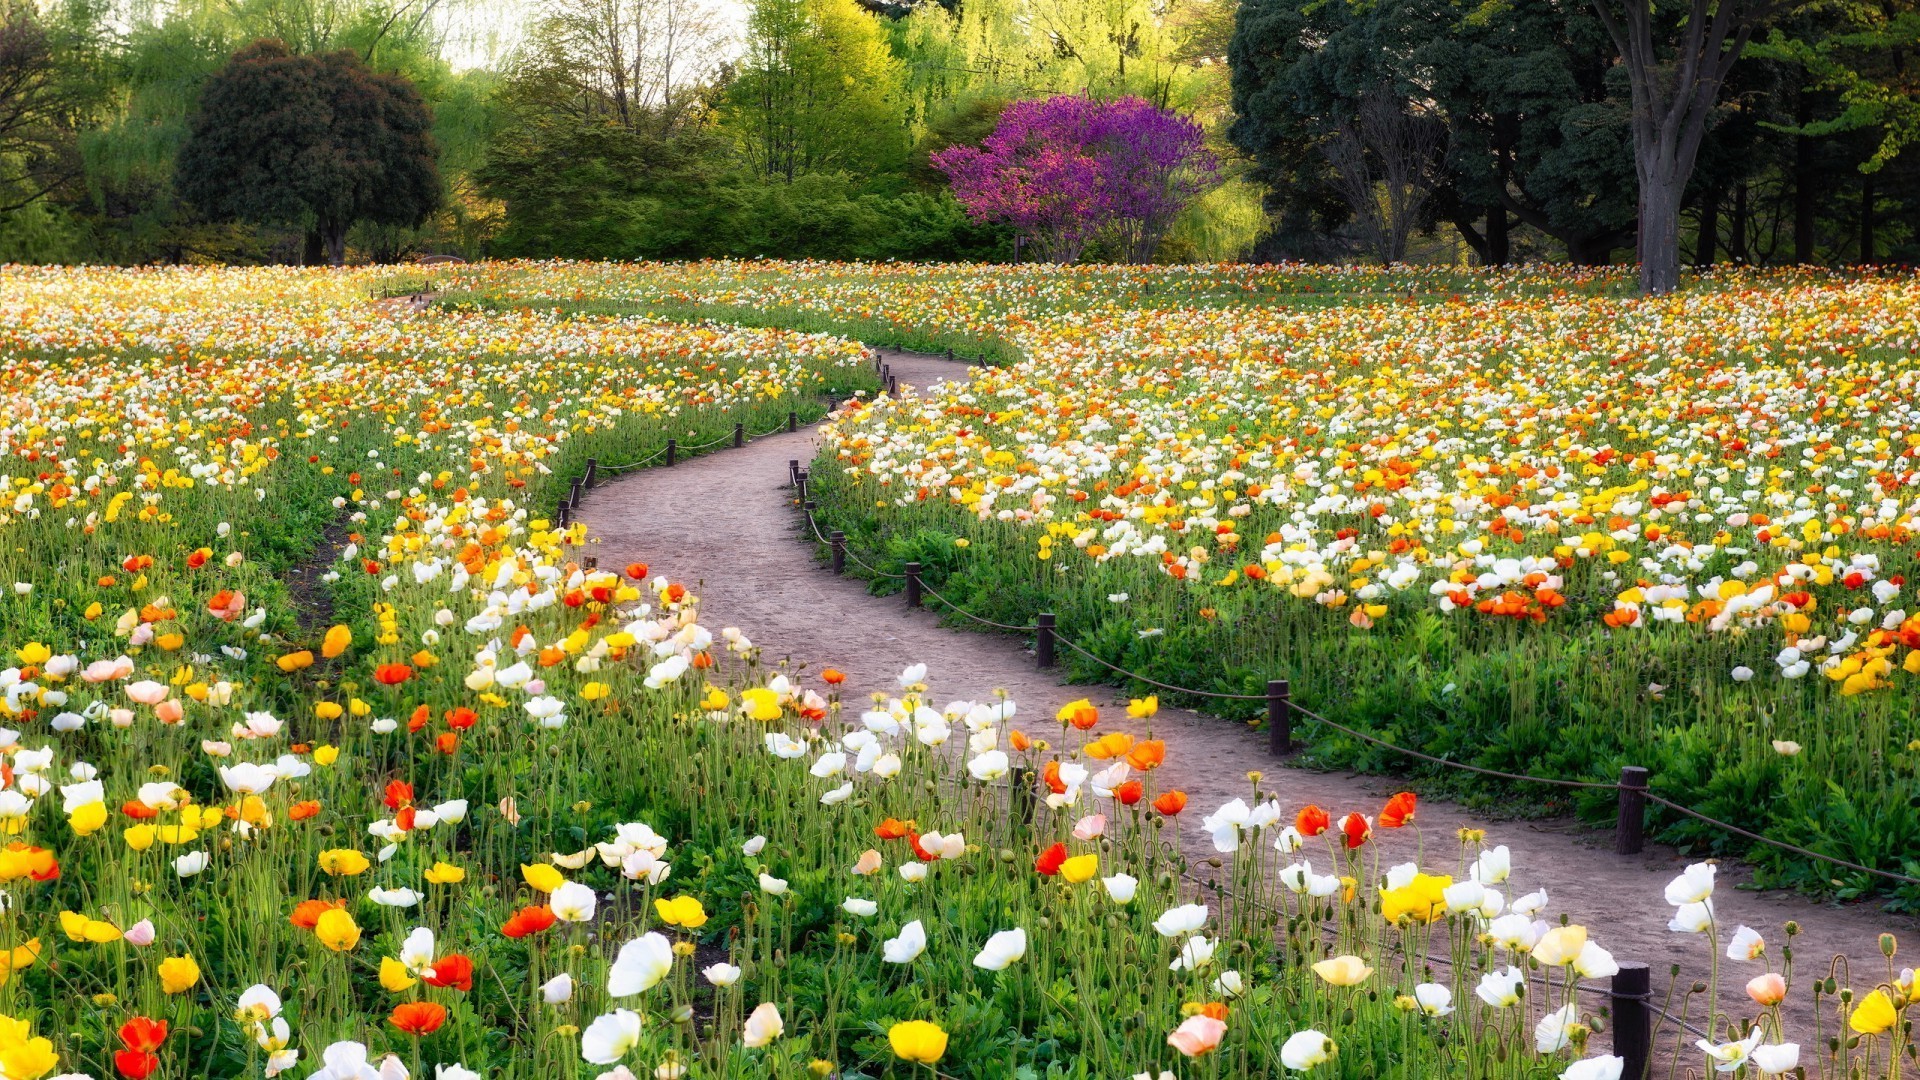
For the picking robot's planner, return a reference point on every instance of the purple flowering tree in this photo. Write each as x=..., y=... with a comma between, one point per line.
x=1066, y=170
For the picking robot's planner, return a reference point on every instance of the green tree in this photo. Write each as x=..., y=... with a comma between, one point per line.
x=48, y=93
x=318, y=142
x=819, y=91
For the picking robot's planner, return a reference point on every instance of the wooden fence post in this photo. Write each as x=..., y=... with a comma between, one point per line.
x=913, y=584
x=673, y=448
x=1279, y=718
x=1632, y=1019
x=739, y=435
x=1043, y=639
x=838, y=541
x=1629, y=832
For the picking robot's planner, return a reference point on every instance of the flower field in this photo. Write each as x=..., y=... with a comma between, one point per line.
x=479, y=807
x=1524, y=521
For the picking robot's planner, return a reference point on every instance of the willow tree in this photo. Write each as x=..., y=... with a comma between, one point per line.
x=818, y=91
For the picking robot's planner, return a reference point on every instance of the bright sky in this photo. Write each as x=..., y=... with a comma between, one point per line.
x=481, y=33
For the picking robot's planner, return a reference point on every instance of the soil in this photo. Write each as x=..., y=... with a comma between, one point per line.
x=727, y=521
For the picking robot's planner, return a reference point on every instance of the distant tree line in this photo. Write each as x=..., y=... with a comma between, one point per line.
x=1491, y=131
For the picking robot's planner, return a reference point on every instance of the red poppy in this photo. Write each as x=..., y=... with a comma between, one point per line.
x=418, y=1017
x=462, y=718
x=1171, y=803
x=455, y=970
x=446, y=742
x=138, y=810
x=1129, y=792
x=404, y=817
x=1049, y=861
x=913, y=841
x=392, y=674
x=419, y=719
x=1355, y=830
x=135, y=1064
x=833, y=677
x=1312, y=821
x=1398, y=811
x=637, y=570
x=399, y=794
x=528, y=920
x=892, y=829
x=301, y=811
x=143, y=1034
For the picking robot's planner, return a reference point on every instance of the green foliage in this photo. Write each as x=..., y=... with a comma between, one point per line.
x=599, y=191
x=819, y=91
x=41, y=232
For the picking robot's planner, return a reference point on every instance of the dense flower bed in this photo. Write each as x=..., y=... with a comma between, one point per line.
x=480, y=807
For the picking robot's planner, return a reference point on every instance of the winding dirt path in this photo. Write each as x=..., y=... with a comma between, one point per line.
x=726, y=521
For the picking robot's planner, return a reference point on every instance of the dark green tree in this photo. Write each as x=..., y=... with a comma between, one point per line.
x=1539, y=127
x=315, y=142
x=1535, y=123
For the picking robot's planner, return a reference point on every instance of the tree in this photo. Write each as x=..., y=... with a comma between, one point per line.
x=1518, y=100
x=818, y=91
x=642, y=65
x=1537, y=122
x=1388, y=161
x=315, y=142
x=1677, y=56
x=1064, y=170
x=44, y=100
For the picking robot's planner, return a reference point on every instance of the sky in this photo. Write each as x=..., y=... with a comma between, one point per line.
x=483, y=33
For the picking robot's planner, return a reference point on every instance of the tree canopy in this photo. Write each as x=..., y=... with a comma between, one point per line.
x=318, y=142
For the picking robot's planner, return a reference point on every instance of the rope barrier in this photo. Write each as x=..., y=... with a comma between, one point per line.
x=1169, y=687
x=1782, y=845
x=633, y=464
x=958, y=610
x=1517, y=777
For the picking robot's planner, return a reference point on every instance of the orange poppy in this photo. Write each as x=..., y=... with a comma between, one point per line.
x=1399, y=811
x=418, y=1018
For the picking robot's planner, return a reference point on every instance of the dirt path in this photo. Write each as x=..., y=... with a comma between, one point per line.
x=742, y=549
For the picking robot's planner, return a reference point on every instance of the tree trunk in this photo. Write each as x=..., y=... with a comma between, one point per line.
x=312, y=249
x=1703, y=248
x=1660, y=231
x=1737, y=238
x=1499, y=237
x=336, y=244
x=1866, y=219
x=1805, y=182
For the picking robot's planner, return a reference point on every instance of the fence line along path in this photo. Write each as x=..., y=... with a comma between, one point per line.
x=726, y=522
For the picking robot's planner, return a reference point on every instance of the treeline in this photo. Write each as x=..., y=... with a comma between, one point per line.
x=1491, y=131
x=1509, y=127
x=612, y=128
